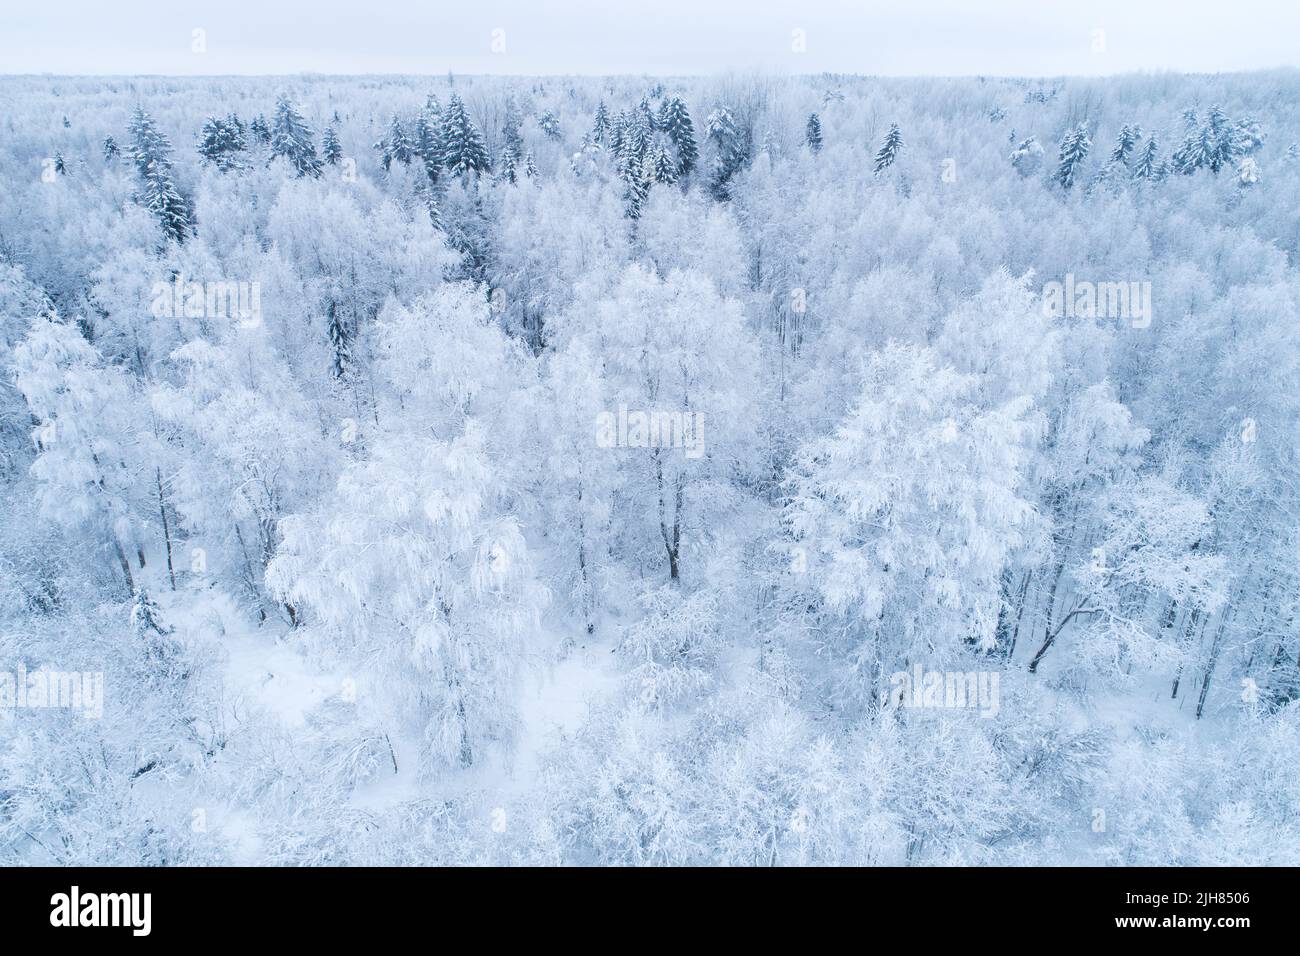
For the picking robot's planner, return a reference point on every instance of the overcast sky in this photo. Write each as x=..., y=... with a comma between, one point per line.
x=902, y=37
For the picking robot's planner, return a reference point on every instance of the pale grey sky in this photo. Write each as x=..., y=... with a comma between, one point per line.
x=902, y=37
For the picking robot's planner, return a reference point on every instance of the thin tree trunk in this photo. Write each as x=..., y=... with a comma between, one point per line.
x=167, y=534
x=126, y=566
x=1210, y=665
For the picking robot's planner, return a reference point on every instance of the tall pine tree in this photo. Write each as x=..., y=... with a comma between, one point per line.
x=889, y=150
x=151, y=153
x=291, y=138
x=462, y=143
x=1074, y=149
x=813, y=134
x=677, y=124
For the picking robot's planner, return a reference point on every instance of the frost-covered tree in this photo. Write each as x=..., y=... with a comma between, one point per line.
x=428, y=139
x=813, y=133
x=665, y=169
x=331, y=149
x=1074, y=150
x=733, y=144
x=904, y=533
x=600, y=125
x=677, y=124
x=397, y=145
x=438, y=579
x=91, y=452
x=463, y=148
x=1125, y=143
x=220, y=142
x=507, y=166
x=291, y=138
x=1148, y=165
x=1027, y=157
x=889, y=150
x=151, y=152
x=549, y=124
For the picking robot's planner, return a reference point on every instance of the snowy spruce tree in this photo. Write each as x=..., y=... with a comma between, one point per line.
x=291, y=138
x=1074, y=150
x=889, y=150
x=677, y=124
x=813, y=133
x=151, y=153
x=397, y=145
x=600, y=125
x=1148, y=164
x=428, y=139
x=331, y=150
x=463, y=149
x=220, y=144
x=1125, y=144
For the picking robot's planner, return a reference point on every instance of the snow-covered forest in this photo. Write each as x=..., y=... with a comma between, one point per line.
x=737, y=470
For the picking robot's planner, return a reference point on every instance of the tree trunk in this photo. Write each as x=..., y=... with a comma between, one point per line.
x=167, y=533
x=1210, y=665
x=126, y=566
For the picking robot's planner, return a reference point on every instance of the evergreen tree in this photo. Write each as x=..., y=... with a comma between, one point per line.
x=60, y=166
x=550, y=125
x=160, y=196
x=813, y=133
x=888, y=150
x=636, y=186
x=1220, y=141
x=331, y=150
x=600, y=128
x=340, y=341
x=1248, y=136
x=110, y=149
x=260, y=130
x=664, y=169
x=146, y=617
x=163, y=654
x=220, y=142
x=512, y=127
x=734, y=144
x=1190, y=154
x=530, y=167
x=148, y=144
x=291, y=138
x=635, y=140
x=400, y=146
x=428, y=138
x=677, y=124
x=1074, y=149
x=151, y=153
x=507, y=166
x=646, y=116
x=1125, y=144
x=429, y=194
x=1148, y=165
x=463, y=148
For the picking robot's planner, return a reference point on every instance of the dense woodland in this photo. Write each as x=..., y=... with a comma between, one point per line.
x=299, y=412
